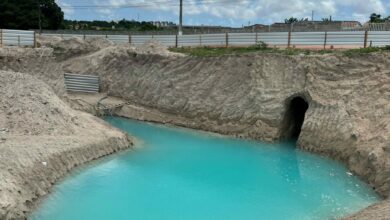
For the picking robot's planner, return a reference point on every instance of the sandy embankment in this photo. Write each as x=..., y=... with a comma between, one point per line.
x=247, y=96
x=41, y=140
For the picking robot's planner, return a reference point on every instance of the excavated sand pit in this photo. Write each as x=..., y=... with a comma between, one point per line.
x=348, y=97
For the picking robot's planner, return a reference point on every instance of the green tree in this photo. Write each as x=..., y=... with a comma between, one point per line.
x=122, y=25
x=375, y=18
x=24, y=14
x=290, y=20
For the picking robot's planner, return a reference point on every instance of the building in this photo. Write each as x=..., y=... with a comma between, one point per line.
x=303, y=26
x=163, y=24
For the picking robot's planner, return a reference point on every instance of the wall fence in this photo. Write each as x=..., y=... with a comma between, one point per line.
x=17, y=38
x=340, y=39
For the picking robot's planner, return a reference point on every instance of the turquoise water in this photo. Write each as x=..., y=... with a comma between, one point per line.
x=180, y=174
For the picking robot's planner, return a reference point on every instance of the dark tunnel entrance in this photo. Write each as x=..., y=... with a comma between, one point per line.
x=294, y=117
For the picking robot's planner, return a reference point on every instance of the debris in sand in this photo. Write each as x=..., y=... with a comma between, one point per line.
x=4, y=130
x=76, y=46
x=155, y=47
x=93, y=43
x=64, y=49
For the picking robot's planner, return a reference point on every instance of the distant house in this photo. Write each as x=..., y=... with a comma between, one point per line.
x=205, y=29
x=307, y=26
x=256, y=27
x=351, y=24
x=376, y=26
x=163, y=24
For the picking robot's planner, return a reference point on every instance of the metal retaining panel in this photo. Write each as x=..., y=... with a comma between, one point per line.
x=338, y=39
x=17, y=38
x=81, y=83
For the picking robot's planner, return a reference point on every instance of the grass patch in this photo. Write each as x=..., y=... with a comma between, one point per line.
x=218, y=51
x=262, y=48
x=367, y=50
x=221, y=51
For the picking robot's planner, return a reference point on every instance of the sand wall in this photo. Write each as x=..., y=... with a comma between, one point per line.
x=349, y=98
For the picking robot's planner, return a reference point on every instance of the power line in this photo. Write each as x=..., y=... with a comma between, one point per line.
x=118, y=6
x=149, y=4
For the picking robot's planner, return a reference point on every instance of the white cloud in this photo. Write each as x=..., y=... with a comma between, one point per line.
x=269, y=10
x=264, y=10
x=364, y=6
x=66, y=8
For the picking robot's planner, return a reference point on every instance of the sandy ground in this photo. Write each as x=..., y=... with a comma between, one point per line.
x=380, y=211
x=246, y=96
x=41, y=140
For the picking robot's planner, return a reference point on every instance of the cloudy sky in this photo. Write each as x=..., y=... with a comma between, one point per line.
x=222, y=12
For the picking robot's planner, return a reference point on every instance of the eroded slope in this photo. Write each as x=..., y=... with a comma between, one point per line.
x=349, y=98
x=41, y=139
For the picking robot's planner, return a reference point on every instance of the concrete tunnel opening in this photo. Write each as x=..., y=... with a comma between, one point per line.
x=294, y=118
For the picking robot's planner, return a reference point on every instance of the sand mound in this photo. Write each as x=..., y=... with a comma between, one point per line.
x=116, y=58
x=64, y=49
x=41, y=140
x=74, y=47
x=38, y=62
x=48, y=41
x=30, y=107
x=155, y=47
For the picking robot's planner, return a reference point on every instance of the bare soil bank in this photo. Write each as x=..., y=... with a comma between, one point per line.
x=348, y=118
x=349, y=98
x=41, y=140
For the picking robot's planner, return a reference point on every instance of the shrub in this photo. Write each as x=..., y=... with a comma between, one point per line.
x=260, y=45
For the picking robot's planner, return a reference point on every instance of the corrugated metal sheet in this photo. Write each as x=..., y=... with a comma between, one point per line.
x=336, y=39
x=16, y=37
x=346, y=38
x=167, y=40
x=140, y=39
x=81, y=83
x=119, y=39
x=378, y=38
x=69, y=36
x=190, y=40
x=274, y=38
x=307, y=38
x=212, y=39
x=243, y=39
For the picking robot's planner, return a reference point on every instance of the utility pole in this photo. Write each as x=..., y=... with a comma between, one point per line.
x=312, y=15
x=39, y=17
x=181, y=18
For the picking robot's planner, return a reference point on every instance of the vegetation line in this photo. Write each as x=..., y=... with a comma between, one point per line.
x=263, y=48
